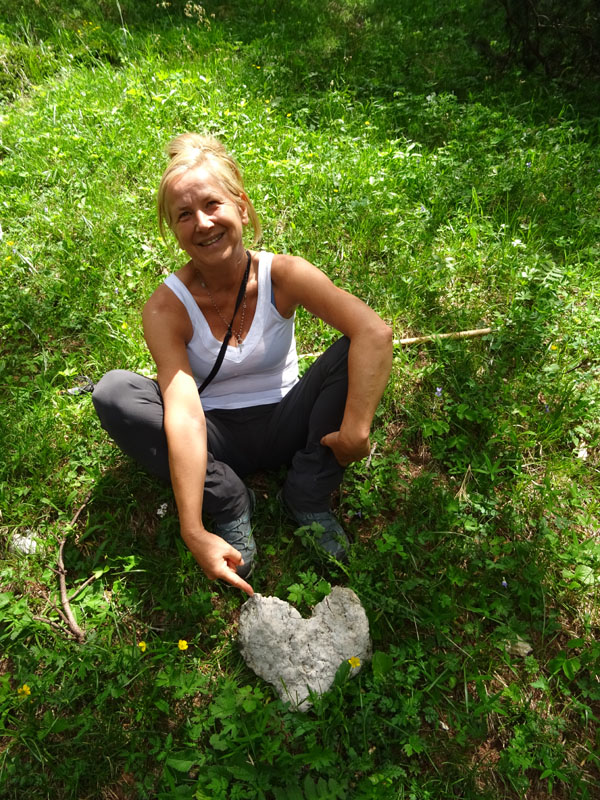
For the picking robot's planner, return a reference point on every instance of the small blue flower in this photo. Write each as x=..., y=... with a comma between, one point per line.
x=438, y=391
x=504, y=583
x=547, y=408
x=528, y=164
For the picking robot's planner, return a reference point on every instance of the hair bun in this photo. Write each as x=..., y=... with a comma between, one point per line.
x=194, y=145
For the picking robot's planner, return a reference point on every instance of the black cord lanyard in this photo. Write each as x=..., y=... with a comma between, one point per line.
x=228, y=335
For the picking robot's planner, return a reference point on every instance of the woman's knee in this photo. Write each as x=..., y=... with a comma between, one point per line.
x=121, y=398
x=111, y=390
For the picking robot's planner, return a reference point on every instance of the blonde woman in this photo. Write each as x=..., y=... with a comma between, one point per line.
x=228, y=401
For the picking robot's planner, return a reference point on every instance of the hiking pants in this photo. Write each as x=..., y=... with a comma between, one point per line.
x=241, y=441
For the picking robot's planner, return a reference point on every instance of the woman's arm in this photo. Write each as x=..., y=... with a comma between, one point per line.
x=297, y=282
x=165, y=329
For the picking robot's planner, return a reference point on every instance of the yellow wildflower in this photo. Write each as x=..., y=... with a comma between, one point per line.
x=24, y=690
x=182, y=645
x=354, y=662
x=142, y=646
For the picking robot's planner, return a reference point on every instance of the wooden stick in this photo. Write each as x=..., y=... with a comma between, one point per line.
x=66, y=614
x=54, y=607
x=432, y=337
x=80, y=509
x=64, y=598
x=50, y=622
x=81, y=587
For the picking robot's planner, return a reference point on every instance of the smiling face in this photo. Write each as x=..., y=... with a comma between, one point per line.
x=207, y=221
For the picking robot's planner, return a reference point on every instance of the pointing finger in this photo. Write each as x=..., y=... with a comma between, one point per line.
x=234, y=579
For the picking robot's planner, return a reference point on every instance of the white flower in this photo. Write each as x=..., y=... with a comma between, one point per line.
x=582, y=452
x=161, y=511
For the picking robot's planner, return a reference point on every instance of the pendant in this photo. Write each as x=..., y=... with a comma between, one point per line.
x=240, y=345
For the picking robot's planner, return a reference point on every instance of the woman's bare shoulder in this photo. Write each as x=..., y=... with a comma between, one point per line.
x=285, y=268
x=283, y=261
x=161, y=297
x=164, y=312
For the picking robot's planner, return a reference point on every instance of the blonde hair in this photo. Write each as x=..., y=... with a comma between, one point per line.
x=190, y=150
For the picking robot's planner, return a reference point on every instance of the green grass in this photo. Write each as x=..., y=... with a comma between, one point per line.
x=448, y=191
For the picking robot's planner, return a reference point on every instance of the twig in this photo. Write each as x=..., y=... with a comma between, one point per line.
x=66, y=614
x=80, y=588
x=50, y=622
x=430, y=337
x=64, y=599
x=80, y=509
x=55, y=608
x=433, y=337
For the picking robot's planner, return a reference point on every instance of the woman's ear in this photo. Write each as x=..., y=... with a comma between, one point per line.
x=242, y=204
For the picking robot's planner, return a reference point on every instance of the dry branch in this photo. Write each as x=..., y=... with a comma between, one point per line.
x=433, y=337
x=66, y=613
x=430, y=337
x=64, y=598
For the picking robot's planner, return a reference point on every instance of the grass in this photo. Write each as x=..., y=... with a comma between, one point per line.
x=448, y=190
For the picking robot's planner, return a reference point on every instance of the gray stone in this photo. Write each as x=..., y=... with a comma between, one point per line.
x=296, y=654
x=24, y=543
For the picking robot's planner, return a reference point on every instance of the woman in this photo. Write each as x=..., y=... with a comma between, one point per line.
x=237, y=305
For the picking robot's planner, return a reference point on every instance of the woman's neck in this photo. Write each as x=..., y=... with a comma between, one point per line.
x=226, y=278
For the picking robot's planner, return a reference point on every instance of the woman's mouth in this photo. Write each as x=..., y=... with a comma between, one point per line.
x=210, y=241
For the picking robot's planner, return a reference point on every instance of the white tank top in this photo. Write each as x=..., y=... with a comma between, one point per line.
x=263, y=370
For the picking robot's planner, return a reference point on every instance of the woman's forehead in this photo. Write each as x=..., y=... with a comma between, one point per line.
x=196, y=181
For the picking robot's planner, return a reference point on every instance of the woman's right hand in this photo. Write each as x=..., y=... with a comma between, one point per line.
x=217, y=558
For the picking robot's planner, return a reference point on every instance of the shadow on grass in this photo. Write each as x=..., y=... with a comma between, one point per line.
x=378, y=52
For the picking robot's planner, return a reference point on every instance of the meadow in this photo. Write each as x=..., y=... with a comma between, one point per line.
x=398, y=147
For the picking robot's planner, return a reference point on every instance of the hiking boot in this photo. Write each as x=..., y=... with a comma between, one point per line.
x=238, y=533
x=333, y=540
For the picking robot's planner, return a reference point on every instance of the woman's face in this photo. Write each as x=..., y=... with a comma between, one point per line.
x=206, y=220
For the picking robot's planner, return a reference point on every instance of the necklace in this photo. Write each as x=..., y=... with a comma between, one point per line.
x=238, y=335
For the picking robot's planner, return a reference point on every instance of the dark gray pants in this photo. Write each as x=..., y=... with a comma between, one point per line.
x=241, y=441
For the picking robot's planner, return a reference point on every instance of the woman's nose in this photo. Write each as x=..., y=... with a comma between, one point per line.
x=203, y=220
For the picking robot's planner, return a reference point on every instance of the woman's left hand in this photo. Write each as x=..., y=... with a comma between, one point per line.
x=346, y=450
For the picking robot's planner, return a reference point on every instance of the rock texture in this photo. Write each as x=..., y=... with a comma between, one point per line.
x=296, y=654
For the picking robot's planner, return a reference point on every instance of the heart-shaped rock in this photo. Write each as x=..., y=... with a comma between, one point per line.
x=296, y=654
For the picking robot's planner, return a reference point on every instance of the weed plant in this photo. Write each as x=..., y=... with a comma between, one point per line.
x=379, y=141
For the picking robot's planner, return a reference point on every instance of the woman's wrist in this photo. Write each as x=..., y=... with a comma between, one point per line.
x=355, y=433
